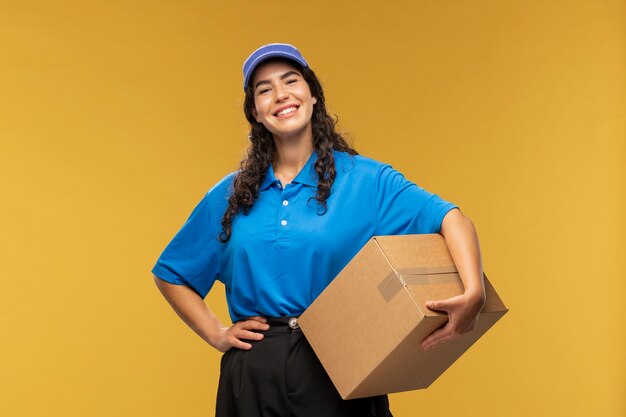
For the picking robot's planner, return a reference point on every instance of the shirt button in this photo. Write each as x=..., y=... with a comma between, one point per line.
x=284, y=222
x=285, y=202
x=280, y=186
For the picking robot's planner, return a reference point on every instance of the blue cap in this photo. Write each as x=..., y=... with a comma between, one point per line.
x=271, y=50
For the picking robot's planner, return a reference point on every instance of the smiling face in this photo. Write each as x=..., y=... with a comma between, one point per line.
x=282, y=99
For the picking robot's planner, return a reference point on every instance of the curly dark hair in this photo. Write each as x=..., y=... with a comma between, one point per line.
x=261, y=152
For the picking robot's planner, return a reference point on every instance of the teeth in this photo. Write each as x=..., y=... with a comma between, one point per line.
x=288, y=110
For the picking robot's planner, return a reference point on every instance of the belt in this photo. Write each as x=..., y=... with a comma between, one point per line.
x=288, y=321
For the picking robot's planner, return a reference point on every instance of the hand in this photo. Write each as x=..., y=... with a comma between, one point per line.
x=230, y=337
x=462, y=313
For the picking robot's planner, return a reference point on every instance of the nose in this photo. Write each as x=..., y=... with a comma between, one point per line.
x=281, y=94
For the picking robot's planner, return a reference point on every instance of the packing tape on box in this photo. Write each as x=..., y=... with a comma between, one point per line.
x=390, y=286
x=426, y=270
x=451, y=278
x=395, y=281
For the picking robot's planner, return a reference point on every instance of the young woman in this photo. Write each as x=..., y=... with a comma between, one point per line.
x=281, y=228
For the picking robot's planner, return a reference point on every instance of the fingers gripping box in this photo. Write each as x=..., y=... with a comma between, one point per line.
x=367, y=325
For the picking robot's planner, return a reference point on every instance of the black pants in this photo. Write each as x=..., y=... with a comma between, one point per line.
x=281, y=377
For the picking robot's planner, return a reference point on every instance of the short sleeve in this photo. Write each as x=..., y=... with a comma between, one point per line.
x=192, y=257
x=405, y=208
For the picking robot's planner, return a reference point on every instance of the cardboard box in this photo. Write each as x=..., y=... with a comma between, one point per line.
x=367, y=326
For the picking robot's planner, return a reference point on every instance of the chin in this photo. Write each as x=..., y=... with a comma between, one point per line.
x=288, y=132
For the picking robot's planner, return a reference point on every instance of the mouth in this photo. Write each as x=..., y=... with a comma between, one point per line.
x=286, y=111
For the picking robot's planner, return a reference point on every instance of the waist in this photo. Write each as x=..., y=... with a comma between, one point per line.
x=282, y=324
x=285, y=321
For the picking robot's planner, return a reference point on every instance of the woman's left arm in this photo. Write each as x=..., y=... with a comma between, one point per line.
x=462, y=241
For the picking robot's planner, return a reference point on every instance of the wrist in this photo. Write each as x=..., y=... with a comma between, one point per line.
x=475, y=296
x=213, y=337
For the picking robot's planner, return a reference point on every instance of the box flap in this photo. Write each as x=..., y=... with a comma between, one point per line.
x=417, y=254
x=418, y=260
x=423, y=288
x=424, y=267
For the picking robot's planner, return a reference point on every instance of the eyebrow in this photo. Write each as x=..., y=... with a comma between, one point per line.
x=282, y=77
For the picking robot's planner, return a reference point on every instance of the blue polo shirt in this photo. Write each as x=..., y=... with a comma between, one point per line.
x=282, y=254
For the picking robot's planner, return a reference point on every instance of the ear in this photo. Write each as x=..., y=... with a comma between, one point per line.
x=255, y=115
x=314, y=99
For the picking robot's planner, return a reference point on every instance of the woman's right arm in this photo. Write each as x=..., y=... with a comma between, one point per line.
x=191, y=308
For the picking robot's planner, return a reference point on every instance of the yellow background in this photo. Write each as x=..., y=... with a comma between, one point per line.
x=116, y=117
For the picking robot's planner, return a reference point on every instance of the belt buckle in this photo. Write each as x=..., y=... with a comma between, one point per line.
x=293, y=323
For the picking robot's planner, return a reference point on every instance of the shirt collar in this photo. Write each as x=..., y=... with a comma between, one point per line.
x=306, y=176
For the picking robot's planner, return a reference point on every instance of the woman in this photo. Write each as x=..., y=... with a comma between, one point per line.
x=276, y=233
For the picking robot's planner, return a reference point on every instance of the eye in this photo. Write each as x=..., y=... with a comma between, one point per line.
x=291, y=81
x=263, y=91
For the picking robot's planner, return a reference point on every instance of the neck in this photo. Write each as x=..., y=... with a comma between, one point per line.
x=292, y=153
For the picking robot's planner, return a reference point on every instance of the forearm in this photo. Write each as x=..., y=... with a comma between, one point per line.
x=191, y=308
x=462, y=310
x=462, y=241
